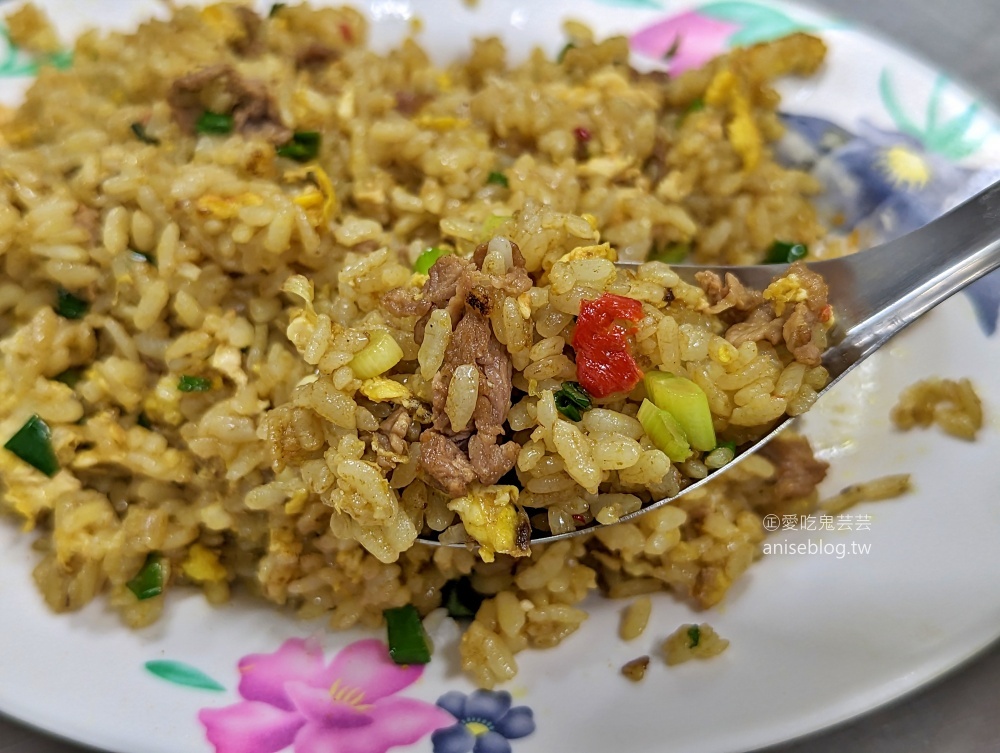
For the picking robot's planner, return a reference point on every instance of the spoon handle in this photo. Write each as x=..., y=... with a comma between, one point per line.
x=881, y=291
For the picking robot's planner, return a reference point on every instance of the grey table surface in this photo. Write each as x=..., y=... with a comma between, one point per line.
x=957, y=714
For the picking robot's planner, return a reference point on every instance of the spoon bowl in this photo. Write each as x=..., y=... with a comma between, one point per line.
x=875, y=294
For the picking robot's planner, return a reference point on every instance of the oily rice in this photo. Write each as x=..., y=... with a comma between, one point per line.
x=217, y=391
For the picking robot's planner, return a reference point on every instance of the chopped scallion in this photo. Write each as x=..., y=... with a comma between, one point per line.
x=148, y=582
x=671, y=253
x=562, y=53
x=572, y=400
x=695, y=105
x=380, y=354
x=687, y=403
x=427, y=258
x=783, y=252
x=497, y=179
x=407, y=640
x=214, y=123
x=460, y=599
x=70, y=377
x=139, y=129
x=731, y=446
x=694, y=636
x=188, y=383
x=33, y=444
x=70, y=306
x=492, y=223
x=664, y=431
x=303, y=146
x=274, y=9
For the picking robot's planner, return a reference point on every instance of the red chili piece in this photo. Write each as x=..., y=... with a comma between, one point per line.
x=582, y=134
x=604, y=362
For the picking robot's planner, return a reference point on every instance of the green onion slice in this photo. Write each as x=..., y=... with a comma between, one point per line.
x=148, y=582
x=497, y=179
x=672, y=253
x=188, y=383
x=70, y=306
x=427, y=258
x=303, y=146
x=562, y=53
x=139, y=129
x=408, y=642
x=460, y=599
x=694, y=636
x=214, y=123
x=664, y=431
x=71, y=377
x=696, y=105
x=380, y=354
x=687, y=403
x=275, y=8
x=33, y=444
x=783, y=252
x=572, y=400
x=492, y=223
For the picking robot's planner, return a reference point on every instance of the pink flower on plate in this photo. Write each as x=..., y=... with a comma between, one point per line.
x=688, y=40
x=293, y=698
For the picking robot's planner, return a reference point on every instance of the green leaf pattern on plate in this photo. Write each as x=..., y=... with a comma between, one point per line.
x=16, y=63
x=758, y=23
x=180, y=673
x=949, y=138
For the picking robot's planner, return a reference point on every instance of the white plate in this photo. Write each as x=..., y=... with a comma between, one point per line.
x=816, y=638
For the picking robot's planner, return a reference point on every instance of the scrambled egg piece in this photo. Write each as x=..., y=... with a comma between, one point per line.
x=320, y=201
x=226, y=207
x=202, y=565
x=297, y=503
x=491, y=516
x=380, y=389
x=726, y=90
x=784, y=291
x=31, y=493
x=163, y=403
x=603, y=251
x=443, y=81
x=441, y=122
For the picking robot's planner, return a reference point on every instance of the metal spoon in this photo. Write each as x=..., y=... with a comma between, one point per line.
x=875, y=295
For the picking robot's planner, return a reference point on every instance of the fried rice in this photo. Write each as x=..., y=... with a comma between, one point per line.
x=210, y=311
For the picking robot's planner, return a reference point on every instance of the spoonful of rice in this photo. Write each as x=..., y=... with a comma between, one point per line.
x=632, y=384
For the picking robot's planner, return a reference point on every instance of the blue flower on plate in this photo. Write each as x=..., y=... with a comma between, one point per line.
x=486, y=722
x=881, y=184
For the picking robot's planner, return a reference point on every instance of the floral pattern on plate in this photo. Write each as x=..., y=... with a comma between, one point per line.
x=70, y=706
x=293, y=698
x=16, y=63
x=486, y=722
x=883, y=183
x=689, y=40
x=880, y=183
